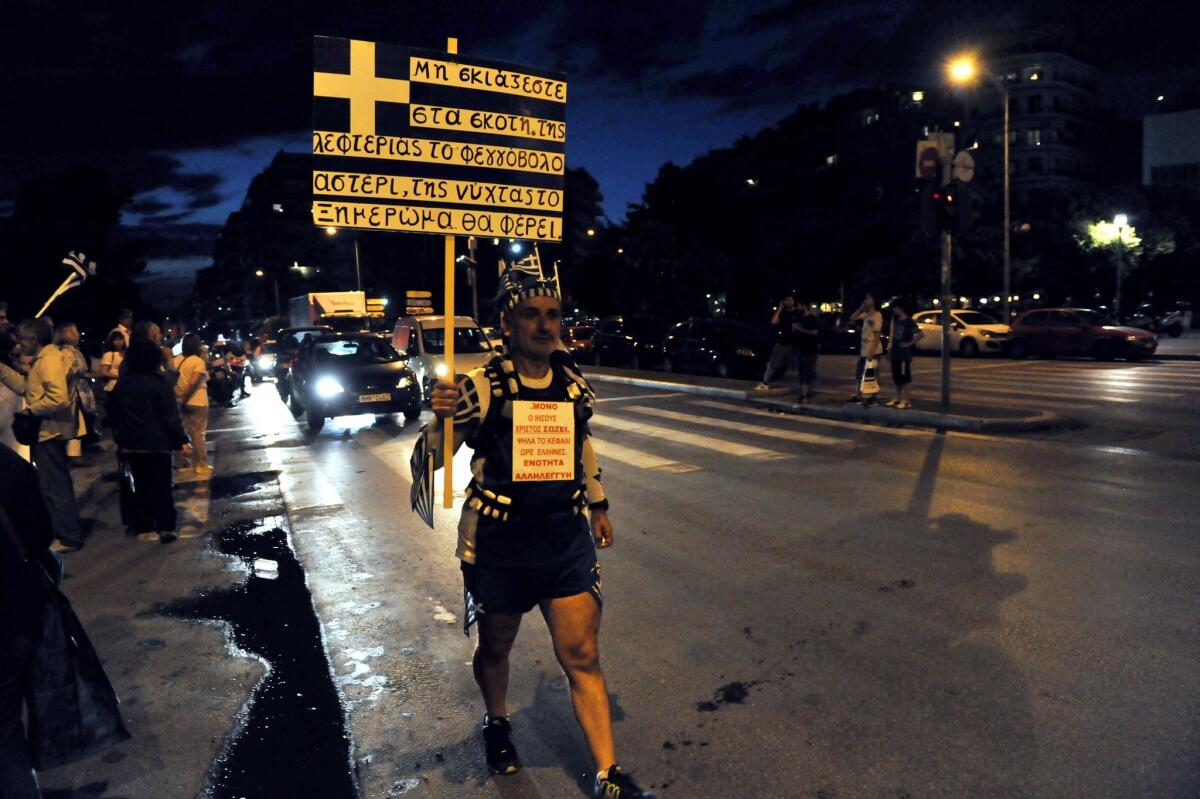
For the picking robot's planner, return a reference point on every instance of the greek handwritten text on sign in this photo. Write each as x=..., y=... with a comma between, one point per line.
x=432, y=219
x=543, y=441
x=441, y=143
x=429, y=70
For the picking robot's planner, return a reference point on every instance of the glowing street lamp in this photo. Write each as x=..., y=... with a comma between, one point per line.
x=963, y=70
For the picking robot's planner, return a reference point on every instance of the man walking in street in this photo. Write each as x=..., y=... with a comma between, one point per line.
x=870, y=344
x=524, y=538
x=48, y=396
x=786, y=321
x=904, y=338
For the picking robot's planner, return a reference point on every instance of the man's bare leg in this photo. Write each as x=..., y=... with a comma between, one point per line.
x=497, y=631
x=574, y=624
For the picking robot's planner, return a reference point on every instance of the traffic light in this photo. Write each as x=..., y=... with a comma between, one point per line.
x=945, y=207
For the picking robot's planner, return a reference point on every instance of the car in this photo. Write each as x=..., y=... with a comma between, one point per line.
x=632, y=341
x=578, y=340
x=342, y=374
x=1077, y=331
x=286, y=345
x=838, y=337
x=971, y=332
x=718, y=346
x=495, y=336
x=422, y=339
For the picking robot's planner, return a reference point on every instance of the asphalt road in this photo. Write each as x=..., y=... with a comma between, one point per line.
x=796, y=607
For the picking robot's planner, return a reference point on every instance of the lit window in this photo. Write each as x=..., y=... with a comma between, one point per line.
x=1034, y=137
x=918, y=97
x=831, y=160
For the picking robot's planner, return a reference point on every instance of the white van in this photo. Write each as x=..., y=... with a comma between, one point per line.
x=422, y=339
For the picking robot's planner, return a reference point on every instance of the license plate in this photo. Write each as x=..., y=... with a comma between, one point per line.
x=374, y=397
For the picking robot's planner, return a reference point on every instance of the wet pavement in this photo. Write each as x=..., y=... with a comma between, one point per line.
x=290, y=739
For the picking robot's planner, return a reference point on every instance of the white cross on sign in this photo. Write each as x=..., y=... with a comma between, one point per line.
x=361, y=87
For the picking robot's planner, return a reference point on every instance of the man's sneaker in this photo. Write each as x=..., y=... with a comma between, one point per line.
x=903, y=405
x=62, y=547
x=618, y=785
x=855, y=398
x=498, y=746
x=762, y=387
x=892, y=403
x=869, y=401
x=167, y=536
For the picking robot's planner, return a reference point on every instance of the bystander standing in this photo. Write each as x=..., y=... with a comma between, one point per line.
x=785, y=320
x=870, y=344
x=904, y=337
x=79, y=378
x=124, y=325
x=48, y=396
x=192, y=392
x=808, y=332
x=11, y=402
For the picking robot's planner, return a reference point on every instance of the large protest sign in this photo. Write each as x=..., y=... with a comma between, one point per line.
x=428, y=142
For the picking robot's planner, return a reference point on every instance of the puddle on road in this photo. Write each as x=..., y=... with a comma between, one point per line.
x=291, y=737
x=223, y=486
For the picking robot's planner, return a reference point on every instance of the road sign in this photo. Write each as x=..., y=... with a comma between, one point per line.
x=431, y=142
x=964, y=167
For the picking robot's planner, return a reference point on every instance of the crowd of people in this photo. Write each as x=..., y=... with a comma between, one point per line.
x=151, y=394
x=48, y=381
x=797, y=329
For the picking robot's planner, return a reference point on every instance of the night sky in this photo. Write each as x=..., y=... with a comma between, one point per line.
x=187, y=102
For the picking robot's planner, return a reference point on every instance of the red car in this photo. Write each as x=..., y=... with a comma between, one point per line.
x=1077, y=331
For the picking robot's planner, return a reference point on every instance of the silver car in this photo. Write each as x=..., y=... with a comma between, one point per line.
x=422, y=339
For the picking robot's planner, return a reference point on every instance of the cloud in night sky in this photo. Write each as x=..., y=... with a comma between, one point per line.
x=185, y=103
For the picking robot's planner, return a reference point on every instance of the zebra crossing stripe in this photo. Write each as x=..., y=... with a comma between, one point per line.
x=741, y=427
x=689, y=439
x=787, y=417
x=608, y=450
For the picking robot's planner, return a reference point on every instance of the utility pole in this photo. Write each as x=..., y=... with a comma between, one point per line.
x=947, y=252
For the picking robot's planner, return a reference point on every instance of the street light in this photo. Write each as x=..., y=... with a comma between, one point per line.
x=1122, y=223
x=962, y=71
x=332, y=231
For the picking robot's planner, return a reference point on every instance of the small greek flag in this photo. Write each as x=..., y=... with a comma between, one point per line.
x=421, y=465
x=80, y=263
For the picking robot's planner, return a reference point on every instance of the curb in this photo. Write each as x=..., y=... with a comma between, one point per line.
x=856, y=413
x=666, y=385
x=911, y=418
x=1175, y=357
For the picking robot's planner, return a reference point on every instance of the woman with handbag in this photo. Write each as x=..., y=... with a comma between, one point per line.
x=192, y=392
x=148, y=428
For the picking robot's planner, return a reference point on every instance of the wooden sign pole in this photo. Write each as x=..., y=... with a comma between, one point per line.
x=448, y=351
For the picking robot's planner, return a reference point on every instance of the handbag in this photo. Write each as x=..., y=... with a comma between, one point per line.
x=25, y=427
x=870, y=379
x=73, y=710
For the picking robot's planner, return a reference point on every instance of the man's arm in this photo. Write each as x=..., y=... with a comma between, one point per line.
x=12, y=378
x=462, y=401
x=602, y=529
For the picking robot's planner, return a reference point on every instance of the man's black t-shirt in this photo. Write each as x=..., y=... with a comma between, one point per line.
x=806, y=342
x=905, y=331
x=787, y=317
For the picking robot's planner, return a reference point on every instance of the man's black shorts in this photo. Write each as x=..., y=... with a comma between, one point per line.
x=902, y=371
x=489, y=590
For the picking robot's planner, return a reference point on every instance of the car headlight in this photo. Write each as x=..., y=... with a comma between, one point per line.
x=987, y=333
x=1131, y=337
x=744, y=352
x=404, y=382
x=328, y=387
x=266, y=361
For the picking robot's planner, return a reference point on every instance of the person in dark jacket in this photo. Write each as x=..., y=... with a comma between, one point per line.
x=148, y=428
x=22, y=599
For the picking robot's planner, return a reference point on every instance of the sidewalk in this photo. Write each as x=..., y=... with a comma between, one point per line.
x=924, y=413
x=1184, y=348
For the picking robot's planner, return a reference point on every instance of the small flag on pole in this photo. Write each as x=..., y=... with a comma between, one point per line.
x=422, y=479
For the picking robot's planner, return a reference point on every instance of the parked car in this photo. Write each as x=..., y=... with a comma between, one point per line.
x=423, y=340
x=1170, y=321
x=1077, y=331
x=633, y=341
x=495, y=336
x=721, y=347
x=836, y=336
x=342, y=374
x=578, y=340
x=971, y=332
